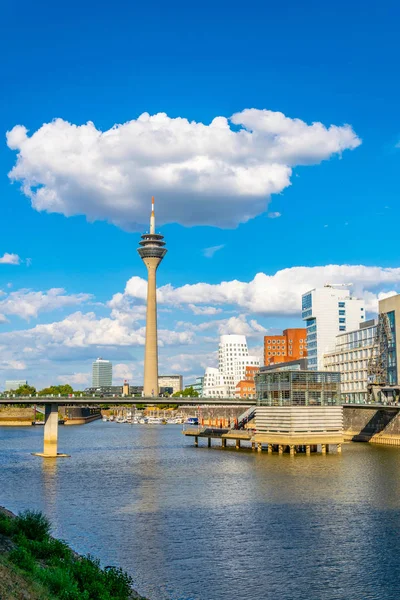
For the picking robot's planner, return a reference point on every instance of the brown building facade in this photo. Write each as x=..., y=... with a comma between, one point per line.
x=291, y=345
x=246, y=388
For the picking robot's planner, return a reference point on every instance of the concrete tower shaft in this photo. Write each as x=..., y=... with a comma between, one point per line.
x=152, y=251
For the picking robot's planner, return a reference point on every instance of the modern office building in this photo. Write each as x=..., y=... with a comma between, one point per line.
x=233, y=359
x=101, y=373
x=350, y=358
x=197, y=385
x=152, y=250
x=14, y=384
x=115, y=390
x=297, y=388
x=246, y=387
x=328, y=311
x=391, y=307
x=298, y=409
x=171, y=381
x=214, y=385
x=292, y=344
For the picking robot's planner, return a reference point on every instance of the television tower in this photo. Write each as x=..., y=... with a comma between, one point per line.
x=152, y=252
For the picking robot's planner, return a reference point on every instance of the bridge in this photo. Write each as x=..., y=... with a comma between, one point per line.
x=51, y=404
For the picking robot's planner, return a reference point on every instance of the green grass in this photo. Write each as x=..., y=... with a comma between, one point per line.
x=50, y=563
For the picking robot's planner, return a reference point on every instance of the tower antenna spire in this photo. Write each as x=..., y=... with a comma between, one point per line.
x=152, y=218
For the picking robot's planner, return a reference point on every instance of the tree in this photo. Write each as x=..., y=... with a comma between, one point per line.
x=25, y=390
x=188, y=392
x=54, y=390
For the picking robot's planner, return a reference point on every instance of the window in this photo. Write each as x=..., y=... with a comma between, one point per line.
x=341, y=304
x=342, y=320
x=342, y=327
x=342, y=312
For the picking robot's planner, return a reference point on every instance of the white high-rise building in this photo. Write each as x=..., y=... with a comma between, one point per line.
x=233, y=358
x=328, y=312
x=101, y=373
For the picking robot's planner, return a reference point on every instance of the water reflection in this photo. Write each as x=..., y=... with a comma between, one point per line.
x=209, y=524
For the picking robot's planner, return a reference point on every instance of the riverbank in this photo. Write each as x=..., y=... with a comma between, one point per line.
x=36, y=566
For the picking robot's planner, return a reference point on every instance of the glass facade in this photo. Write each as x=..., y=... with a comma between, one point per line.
x=312, y=343
x=298, y=388
x=392, y=358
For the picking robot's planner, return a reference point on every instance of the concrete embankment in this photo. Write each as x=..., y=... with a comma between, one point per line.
x=375, y=425
x=16, y=417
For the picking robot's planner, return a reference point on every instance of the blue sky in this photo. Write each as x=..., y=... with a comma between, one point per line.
x=330, y=63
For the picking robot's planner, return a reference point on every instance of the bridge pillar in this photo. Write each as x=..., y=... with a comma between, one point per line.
x=270, y=448
x=237, y=444
x=323, y=448
x=253, y=446
x=196, y=441
x=308, y=450
x=259, y=447
x=339, y=448
x=50, y=444
x=209, y=442
x=280, y=449
x=291, y=450
x=223, y=442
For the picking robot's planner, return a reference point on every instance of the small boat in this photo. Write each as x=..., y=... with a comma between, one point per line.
x=192, y=421
x=105, y=419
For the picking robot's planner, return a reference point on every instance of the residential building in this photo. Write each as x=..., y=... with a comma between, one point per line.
x=171, y=381
x=350, y=358
x=328, y=311
x=14, y=384
x=101, y=373
x=292, y=344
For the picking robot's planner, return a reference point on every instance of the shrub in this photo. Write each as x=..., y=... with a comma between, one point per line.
x=23, y=559
x=118, y=583
x=50, y=550
x=33, y=524
x=7, y=525
x=60, y=583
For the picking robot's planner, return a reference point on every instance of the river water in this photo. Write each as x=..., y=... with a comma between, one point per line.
x=212, y=524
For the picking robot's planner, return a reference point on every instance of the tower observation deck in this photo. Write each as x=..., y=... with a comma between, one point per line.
x=152, y=250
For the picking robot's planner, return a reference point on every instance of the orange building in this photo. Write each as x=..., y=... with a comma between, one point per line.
x=246, y=388
x=291, y=345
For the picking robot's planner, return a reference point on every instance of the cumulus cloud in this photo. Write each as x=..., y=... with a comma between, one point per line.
x=122, y=371
x=209, y=252
x=27, y=303
x=274, y=215
x=10, y=259
x=227, y=169
x=204, y=310
x=272, y=295
x=74, y=378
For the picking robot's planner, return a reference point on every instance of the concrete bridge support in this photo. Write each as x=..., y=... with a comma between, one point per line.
x=50, y=444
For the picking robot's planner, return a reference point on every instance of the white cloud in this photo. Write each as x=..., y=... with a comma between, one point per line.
x=27, y=303
x=274, y=215
x=122, y=371
x=10, y=259
x=209, y=252
x=75, y=378
x=272, y=295
x=204, y=310
x=12, y=365
x=203, y=174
